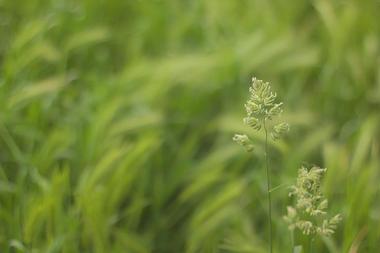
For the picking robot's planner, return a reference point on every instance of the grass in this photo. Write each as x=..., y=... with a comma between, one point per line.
x=116, y=121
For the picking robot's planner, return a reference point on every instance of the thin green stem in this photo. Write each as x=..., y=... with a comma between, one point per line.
x=292, y=239
x=268, y=188
x=311, y=244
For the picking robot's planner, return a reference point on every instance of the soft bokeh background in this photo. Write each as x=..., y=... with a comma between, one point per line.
x=116, y=119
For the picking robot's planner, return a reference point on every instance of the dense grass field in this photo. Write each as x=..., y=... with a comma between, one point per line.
x=117, y=117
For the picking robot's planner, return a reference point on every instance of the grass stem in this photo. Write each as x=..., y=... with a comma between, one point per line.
x=268, y=188
x=292, y=240
x=311, y=244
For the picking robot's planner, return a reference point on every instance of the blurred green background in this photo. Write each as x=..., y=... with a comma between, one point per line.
x=116, y=120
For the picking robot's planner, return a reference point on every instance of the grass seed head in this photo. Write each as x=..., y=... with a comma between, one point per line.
x=261, y=108
x=310, y=211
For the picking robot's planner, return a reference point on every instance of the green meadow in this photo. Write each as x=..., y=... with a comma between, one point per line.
x=117, y=118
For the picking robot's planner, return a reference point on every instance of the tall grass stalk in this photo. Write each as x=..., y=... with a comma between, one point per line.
x=261, y=107
x=268, y=189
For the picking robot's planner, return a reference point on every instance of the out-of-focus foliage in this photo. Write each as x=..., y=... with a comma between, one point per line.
x=116, y=119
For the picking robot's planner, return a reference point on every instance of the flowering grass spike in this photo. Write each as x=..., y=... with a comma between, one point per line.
x=309, y=213
x=262, y=107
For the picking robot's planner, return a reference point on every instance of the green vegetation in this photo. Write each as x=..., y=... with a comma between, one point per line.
x=261, y=109
x=309, y=214
x=116, y=119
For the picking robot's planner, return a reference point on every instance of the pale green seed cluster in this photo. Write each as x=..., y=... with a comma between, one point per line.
x=309, y=214
x=261, y=107
x=279, y=130
x=244, y=141
x=261, y=103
